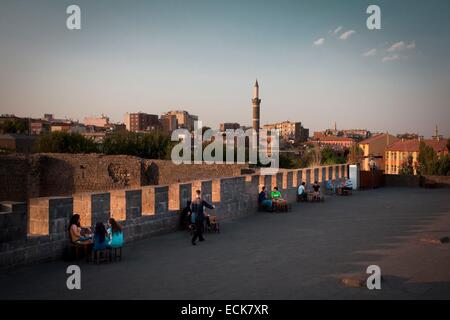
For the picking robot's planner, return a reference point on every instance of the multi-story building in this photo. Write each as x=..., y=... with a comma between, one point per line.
x=229, y=126
x=20, y=143
x=38, y=126
x=339, y=142
x=10, y=123
x=184, y=119
x=289, y=131
x=60, y=127
x=408, y=136
x=49, y=117
x=355, y=134
x=169, y=123
x=140, y=121
x=397, y=154
x=102, y=121
x=374, y=150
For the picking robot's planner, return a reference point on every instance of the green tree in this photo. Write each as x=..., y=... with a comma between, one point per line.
x=427, y=159
x=288, y=160
x=64, y=142
x=13, y=126
x=443, y=166
x=354, y=154
x=151, y=145
x=407, y=167
x=330, y=156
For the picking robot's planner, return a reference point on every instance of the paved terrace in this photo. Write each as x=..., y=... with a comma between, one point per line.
x=300, y=255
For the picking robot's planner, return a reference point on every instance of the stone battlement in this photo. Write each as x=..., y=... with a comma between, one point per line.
x=37, y=231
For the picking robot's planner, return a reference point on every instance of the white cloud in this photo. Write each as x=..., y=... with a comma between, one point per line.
x=370, y=53
x=336, y=31
x=347, y=34
x=319, y=42
x=392, y=57
x=401, y=45
x=412, y=45
x=398, y=46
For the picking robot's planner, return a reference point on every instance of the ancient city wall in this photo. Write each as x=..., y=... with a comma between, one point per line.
x=44, y=175
x=14, y=178
x=37, y=231
x=394, y=180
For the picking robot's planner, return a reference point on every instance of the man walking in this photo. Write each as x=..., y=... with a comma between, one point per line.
x=198, y=209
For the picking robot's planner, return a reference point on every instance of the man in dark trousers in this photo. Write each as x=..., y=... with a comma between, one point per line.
x=197, y=207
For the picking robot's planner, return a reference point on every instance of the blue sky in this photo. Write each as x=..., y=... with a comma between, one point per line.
x=203, y=56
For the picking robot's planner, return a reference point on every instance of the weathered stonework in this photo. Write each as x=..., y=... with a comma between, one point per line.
x=39, y=231
x=44, y=175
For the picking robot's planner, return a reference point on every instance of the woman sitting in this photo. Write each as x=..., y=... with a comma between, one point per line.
x=115, y=234
x=101, y=240
x=76, y=232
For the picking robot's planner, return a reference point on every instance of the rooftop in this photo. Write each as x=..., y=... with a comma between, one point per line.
x=299, y=255
x=413, y=145
x=335, y=138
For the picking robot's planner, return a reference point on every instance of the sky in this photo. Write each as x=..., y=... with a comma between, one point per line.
x=316, y=61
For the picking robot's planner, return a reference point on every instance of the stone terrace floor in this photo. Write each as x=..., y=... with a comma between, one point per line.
x=300, y=255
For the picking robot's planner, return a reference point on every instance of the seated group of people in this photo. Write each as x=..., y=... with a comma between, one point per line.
x=346, y=185
x=270, y=202
x=102, y=237
x=303, y=194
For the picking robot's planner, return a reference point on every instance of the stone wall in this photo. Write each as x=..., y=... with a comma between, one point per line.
x=14, y=171
x=166, y=172
x=143, y=211
x=13, y=222
x=44, y=175
x=435, y=181
x=393, y=180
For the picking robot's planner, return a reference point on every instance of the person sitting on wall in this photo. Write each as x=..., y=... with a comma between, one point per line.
x=301, y=192
x=185, y=216
x=115, y=234
x=347, y=186
x=316, y=190
x=263, y=201
x=101, y=240
x=76, y=232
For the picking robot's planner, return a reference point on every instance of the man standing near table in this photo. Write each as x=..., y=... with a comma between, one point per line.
x=198, y=209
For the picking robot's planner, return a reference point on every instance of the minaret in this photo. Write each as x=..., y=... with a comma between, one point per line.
x=436, y=133
x=256, y=101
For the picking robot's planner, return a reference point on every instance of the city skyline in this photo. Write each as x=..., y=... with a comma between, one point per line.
x=316, y=62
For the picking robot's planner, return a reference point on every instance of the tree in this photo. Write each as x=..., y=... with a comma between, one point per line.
x=330, y=156
x=355, y=154
x=288, y=160
x=427, y=159
x=443, y=166
x=151, y=145
x=64, y=142
x=407, y=167
x=431, y=164
x=13, y=126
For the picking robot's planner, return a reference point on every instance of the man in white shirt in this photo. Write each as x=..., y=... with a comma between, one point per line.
x=301, y=192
